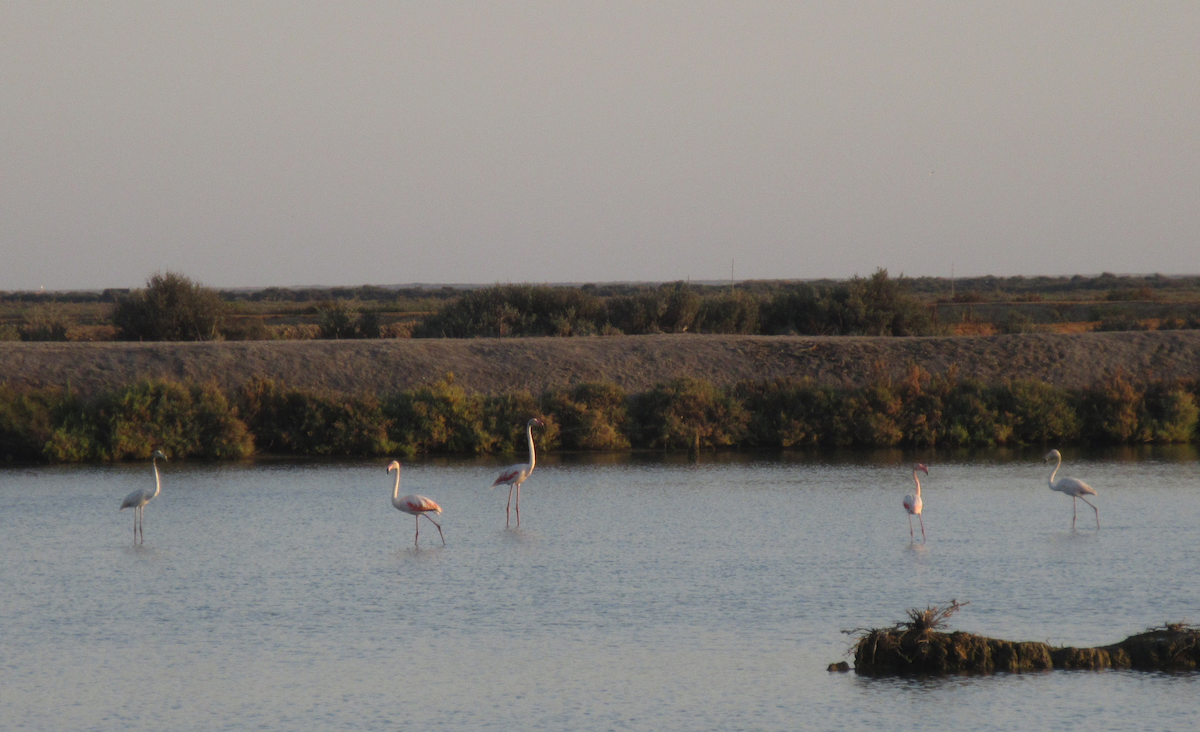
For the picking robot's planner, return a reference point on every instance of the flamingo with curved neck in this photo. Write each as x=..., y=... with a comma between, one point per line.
x=139, y=498
x=913, y=504
x=514, y=475
x=1073, y=487
x=415, y=506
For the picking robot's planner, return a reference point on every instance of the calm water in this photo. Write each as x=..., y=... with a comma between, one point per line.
x=643, y=593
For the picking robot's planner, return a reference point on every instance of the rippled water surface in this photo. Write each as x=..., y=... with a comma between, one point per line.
x=639, y=593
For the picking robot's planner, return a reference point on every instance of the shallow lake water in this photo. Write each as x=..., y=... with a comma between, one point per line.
x=641, y=592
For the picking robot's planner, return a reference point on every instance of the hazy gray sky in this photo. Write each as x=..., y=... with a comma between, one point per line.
x=254, y=144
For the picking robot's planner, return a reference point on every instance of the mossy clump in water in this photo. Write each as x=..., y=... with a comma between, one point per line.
x=916, y=646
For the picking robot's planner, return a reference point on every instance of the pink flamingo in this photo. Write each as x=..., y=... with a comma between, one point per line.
x=1073, y=487
x=913, y=504
x=416, y=506
x=515, y=475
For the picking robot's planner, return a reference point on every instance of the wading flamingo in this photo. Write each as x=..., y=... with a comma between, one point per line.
x=139, y=498
x=515, y=475
x=913, y=504
x=1073, y=487
x=416, y=506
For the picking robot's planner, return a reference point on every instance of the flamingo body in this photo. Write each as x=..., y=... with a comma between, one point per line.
x=415, y=506
x=514, y=475
x=913, y=503
x=138, y=499
x=1073, y=487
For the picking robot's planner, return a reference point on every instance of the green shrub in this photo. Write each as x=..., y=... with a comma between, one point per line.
x=516, y=310
x=687, y=413
x=592, y=416
x=441, y=417
x=797, y=309
x=875, y=411
x=312, y=422
x=1040, y=413
x=170, y=308
x=972, y=418
x=183, y=420
x=728, y=313
x=669, y=308
x=789, y=413
x=1112, y=412
x=921, y=408
x=336, y=320
x=1172, y=413
x=505, y=417
x=27, y=422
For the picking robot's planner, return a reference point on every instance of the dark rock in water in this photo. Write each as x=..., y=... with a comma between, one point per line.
x=1173, y=647
x=903, y=651
x=840, y=666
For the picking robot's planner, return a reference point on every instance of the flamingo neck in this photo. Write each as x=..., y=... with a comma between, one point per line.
x=396, y=489
x=157, y=479
x=918, y=483
x=1054, y=472
x=529, y=436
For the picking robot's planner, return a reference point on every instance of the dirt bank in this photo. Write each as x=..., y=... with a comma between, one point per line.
x=635, y=362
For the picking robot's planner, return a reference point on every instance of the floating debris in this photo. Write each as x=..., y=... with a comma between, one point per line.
x=918, y=647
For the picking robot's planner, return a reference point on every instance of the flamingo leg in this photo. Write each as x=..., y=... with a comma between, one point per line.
x=518, y=505
x=1074, y=510
x=417, y=537
x=439, y=528
x=508, y=505
x=922, y=527
x=1094, y=509
x=910, y=531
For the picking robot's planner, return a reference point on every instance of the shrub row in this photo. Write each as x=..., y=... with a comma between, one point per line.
x=876, y=305
x=197, y=420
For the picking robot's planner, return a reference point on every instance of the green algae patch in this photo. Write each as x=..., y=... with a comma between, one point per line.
x=918, y=647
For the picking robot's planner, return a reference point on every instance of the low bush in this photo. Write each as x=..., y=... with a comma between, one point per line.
x=689, y=414
x=441, y=417
x=183, y=420
x=1040, y=413
x=28, y=420
x=313, y=422
x=592, y=416
x=170, y=308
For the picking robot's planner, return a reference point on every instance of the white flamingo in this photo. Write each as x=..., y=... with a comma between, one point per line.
x=1073, y=487
x=913, y=504
x=515, y=475
x=139, y=498
x=416, y=506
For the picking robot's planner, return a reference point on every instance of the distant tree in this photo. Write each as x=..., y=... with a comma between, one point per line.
x=170, y=308
x=337, y=320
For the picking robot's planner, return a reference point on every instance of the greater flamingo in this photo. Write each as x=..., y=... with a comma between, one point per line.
x=515, y=475
x=139, y=498
x=913, y=504
x=415, y=506
x=1073, y=487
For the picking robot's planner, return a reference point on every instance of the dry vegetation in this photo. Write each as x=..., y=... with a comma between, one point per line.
x=635, y=363
x=919, y=647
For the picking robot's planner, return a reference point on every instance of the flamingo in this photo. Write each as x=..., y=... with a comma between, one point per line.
x=1073, y=487
x=139, y=498
x=415, y=506
x=515, y=475
x=913, y=504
